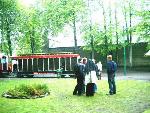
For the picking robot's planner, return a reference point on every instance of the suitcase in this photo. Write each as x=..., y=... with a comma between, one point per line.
x=90, y=87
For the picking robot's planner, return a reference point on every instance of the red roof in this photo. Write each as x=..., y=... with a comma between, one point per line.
x=46, y=56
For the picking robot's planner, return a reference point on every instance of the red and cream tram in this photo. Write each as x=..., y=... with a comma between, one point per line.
x=59, y=64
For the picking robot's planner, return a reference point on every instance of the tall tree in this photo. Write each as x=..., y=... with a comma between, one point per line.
x=102, y=35
x=62, y=12
x=105, y=27
x=76, y=8
x=116, y=31
x=128, y=10
x=126, y=22
x=9, y=13
x=130, y=32
x=30, y=40
x=142, y=29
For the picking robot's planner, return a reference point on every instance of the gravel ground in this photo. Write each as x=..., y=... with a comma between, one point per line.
x=130, y=75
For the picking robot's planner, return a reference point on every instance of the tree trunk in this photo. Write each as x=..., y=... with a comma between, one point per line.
x=126, y=24
x=8, y=38
x=105, y=30
x=2, y=33
x=130, y=54
x=110, y=22
x=116, y=30
x=91, y=37
x=2, y=25
x=32, y=41
x=75, y=34
x=46, y=41
x=92, y=44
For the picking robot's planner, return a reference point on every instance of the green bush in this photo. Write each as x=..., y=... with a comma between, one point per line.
x=28, y=91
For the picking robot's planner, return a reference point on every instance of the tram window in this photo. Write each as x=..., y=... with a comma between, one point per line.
x=45, y=64
x=67, y=63
x=30, y=68
x=14, y=63
x=62, y=63
x=20, y=64
x=40, y=64
x=56, y=63
x=25, y=65
x=51, y=64
x=35, y=64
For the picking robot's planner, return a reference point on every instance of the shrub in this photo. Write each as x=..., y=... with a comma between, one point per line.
x=28, y=91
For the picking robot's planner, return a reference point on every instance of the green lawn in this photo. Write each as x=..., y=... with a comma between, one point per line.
x=132, y=97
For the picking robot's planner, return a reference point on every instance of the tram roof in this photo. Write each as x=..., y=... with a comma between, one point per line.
x=59, y=55
x=52, y=53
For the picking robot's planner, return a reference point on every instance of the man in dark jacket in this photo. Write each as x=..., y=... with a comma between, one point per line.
x=111, y=68
x=80, y=75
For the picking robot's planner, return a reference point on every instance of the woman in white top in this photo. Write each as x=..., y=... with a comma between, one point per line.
x=99, y=66
x=91, y=73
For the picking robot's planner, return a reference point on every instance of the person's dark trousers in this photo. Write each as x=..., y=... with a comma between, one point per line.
x=83, y=90
x=95, y=88
x=112, y=85
x=79, y=88
x=75, y=90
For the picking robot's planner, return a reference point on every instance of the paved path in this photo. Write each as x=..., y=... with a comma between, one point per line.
x=132, y=75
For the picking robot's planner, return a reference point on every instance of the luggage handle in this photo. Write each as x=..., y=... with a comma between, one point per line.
x=90, y=77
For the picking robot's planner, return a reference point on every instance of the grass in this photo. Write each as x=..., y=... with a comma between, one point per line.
x=132, y=97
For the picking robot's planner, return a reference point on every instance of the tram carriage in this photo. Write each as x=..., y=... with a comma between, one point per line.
x=5, y=66
x=57, y=64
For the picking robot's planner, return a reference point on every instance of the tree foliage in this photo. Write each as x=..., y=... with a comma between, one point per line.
x=104, y=34
x=114, y=31
x=26, y=29
x=143, y=27
x=32, y=25
x=8, y=14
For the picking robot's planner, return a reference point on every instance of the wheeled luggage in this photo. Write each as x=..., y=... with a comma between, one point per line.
x=90, y=87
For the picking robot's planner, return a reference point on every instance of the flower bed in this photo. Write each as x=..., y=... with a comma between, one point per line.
x=27, y=91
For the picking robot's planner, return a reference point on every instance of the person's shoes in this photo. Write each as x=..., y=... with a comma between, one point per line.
x=74, y=93
x=83, y=92
x=95, y=91
x=79, y=94
x=114, y=93
x=110, y=94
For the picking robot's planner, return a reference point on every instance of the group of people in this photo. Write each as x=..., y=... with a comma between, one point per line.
x=88, y=71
